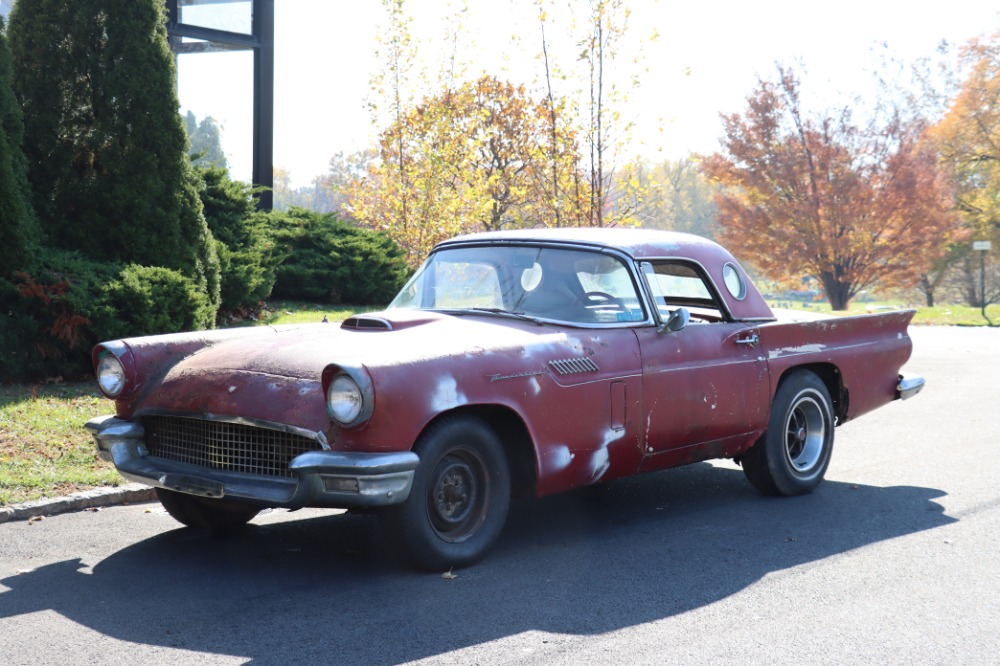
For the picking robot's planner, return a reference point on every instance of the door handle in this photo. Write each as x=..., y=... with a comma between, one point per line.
x=752, y=340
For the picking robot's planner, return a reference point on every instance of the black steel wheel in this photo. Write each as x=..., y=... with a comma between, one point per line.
x=213, y=515
x=793, y=455
x=460, y=496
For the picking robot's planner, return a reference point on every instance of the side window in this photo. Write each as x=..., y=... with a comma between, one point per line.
x=677, y=284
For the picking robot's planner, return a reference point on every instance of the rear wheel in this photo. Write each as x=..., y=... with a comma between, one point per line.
x=214, y=515
x=792, y=456
x=460, y=496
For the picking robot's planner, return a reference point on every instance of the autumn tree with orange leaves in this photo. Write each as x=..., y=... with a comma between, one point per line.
x=851, y=206
x=968, y=140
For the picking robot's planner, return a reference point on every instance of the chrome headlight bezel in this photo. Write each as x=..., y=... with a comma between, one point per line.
x=349, y=395
x=112, y=378
x=114, y=369
x=344, y=400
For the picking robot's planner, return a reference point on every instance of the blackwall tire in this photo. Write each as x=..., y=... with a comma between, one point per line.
x=460, y=497
x=792, y=457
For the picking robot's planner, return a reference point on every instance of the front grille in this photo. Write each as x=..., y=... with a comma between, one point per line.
x=232, y=447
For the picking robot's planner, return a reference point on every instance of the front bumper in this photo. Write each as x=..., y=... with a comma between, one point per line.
x=337, y=479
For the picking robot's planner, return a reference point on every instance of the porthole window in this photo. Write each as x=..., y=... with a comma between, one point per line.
x=734, y=282
x=531, y=277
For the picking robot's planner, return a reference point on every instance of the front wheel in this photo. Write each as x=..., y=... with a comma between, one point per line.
x=460, y=496
x=213, y=515
x=792, y=456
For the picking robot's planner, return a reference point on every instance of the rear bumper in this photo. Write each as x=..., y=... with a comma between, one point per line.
x=908, y=386
x=340, y=479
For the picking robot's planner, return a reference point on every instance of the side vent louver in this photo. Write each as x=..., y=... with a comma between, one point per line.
x=573, y=366
x=366, y=324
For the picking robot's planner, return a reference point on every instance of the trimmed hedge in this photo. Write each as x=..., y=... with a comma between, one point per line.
x=153, y=299
x=326, y=260
x=244, y=247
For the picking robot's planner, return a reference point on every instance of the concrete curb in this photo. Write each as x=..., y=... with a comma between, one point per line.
x=130, y=493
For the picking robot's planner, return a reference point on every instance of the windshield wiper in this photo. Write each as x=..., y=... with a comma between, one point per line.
x=494, y=312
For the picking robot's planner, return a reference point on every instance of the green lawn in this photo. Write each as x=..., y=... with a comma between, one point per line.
x=293, y=312
x=44, y=450
x=939, y=315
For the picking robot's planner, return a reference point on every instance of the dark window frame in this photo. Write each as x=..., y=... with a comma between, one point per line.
x=261, y=42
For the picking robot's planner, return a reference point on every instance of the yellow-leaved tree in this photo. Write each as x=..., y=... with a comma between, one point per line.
x=472, y=158
x=968, y=140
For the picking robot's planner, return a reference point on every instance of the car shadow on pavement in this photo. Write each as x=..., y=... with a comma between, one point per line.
x=324, y=590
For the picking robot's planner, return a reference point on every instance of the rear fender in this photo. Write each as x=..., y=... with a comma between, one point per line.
x=859, y=358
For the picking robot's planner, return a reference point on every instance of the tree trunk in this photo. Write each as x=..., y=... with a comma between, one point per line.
x=927, y=287
x=837, y=293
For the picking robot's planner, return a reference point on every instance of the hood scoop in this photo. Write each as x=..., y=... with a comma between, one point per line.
x=392, y=320
x=366, y=323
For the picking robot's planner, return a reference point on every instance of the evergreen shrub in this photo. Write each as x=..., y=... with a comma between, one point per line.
x=243, y=245
x=149, y=300
x=324, y=259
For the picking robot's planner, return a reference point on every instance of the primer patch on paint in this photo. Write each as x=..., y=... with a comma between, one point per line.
x=446, y=395
x=557, y=458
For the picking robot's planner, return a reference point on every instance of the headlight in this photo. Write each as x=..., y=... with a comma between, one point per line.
x=111, y=375
x=344, y=400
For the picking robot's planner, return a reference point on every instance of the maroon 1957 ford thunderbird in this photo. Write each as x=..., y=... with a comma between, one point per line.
x=512, y=363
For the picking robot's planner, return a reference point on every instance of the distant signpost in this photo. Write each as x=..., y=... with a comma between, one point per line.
x=983, y=247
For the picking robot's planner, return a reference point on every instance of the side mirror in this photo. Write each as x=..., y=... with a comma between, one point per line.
x=677, y=320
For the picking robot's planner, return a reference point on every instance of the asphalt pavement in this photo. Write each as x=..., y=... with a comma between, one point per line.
x=895, y=559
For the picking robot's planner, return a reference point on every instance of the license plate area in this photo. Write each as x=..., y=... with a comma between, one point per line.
x=193, y=485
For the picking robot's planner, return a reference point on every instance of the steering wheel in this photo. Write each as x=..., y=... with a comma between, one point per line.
x=602, y=299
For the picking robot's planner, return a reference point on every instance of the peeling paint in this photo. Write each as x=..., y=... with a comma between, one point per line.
x=446, y=395
x=801, y=349
x=599, y=464
x=557, y=458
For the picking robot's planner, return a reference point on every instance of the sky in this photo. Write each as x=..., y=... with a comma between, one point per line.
x=705, y=60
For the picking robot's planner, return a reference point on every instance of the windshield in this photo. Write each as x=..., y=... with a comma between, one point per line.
x=574, y=286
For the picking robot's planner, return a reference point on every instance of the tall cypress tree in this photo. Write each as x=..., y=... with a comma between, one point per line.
x=18, y=229
x=106, y=147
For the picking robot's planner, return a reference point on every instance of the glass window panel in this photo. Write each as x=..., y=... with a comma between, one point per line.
x=229, y=15
x=217, y=81
x=548, y=283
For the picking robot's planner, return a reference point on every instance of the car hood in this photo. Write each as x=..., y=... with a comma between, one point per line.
x=381, y=339
x=274, y=374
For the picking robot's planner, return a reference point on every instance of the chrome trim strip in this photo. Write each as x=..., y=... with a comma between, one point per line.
x=909, y=386
x=573, y=366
